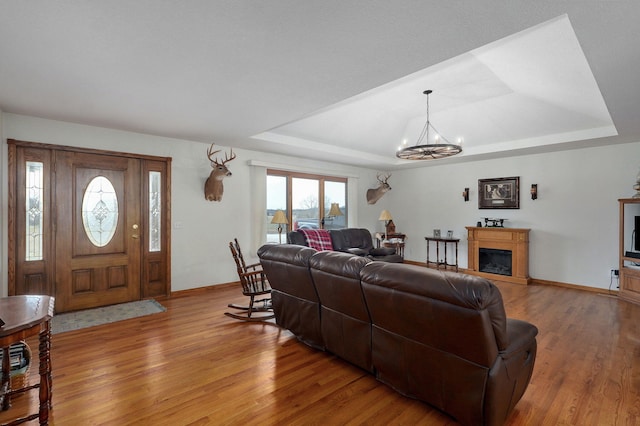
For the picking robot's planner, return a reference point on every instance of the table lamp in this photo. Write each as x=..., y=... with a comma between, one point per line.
x=280, y=218
x=333, y=212
x=386, y=216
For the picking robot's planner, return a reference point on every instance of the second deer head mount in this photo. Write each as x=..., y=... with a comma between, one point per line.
x=213, y=188
x=374, y=194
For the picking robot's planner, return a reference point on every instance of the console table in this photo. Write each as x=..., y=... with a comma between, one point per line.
x=444, y=242
x=26, y=316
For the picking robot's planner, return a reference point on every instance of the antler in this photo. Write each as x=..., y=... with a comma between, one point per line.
x=226, y=160
x=386, y=178
x=210, y=153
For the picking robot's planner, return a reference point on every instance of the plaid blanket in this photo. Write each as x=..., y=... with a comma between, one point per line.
x=318, y=239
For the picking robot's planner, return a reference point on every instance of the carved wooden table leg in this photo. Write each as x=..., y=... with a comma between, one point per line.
x=26, y=316
x=6, y=379
x=45, y=373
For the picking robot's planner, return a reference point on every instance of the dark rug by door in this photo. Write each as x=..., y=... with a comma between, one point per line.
x=103, y=315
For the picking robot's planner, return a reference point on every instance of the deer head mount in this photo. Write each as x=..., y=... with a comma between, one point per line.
x=374, y=194
x=213, y=188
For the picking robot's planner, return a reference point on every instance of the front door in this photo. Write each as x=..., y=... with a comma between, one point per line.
x=97, y=216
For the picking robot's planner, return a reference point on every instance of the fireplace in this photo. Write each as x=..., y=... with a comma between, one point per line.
x=494, y=261
x=499, y=253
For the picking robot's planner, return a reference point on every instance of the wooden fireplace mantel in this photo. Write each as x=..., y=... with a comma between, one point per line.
x=514, y=239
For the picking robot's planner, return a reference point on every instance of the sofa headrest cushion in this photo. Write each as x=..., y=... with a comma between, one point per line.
x=338, y=263
x=295, y=237
x=286, y=253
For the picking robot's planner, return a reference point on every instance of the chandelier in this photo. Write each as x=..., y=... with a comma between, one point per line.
x=429, y=151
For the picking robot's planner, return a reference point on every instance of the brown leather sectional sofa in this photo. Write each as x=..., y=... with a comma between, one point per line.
x=440, y=337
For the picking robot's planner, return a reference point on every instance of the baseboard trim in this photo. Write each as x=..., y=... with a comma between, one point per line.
x=537, y=281
x=205, y=289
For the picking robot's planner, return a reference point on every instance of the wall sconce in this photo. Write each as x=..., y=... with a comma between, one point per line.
x=465, y=194
x=534, y=191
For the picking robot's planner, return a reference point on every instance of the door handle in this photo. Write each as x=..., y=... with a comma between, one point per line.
x=135, y=227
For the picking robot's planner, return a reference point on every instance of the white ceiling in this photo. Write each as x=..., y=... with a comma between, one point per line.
x=333, y=80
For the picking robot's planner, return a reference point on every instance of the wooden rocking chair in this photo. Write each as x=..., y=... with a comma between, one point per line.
x=254, y=283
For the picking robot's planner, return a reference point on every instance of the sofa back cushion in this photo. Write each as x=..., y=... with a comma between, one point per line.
x=295, y=237
x=457, y=313
x=352, y=238
x=293, y=295
x=345, y=323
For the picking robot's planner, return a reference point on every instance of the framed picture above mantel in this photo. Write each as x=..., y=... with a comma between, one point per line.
x=499, y=193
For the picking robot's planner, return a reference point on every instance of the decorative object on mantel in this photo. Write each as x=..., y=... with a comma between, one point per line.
x=436, y=233
x=281, y=219
x=426, y=150
x=637, y=186
x=333, y=212
x=534, y=191
x=465, y=194
x=213, y=188
x=386, y=216
x=374, y=194
x=499, y=193
x=492, y=222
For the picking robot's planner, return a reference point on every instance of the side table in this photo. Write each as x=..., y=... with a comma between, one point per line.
x=395, y=240
x=26, y=316
x=445, y=242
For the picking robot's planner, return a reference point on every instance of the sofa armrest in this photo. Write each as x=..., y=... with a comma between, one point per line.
x=382, y=251
x=520, y=334
x=357, y=251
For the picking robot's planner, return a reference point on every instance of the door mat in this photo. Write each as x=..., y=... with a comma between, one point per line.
x=104, y=315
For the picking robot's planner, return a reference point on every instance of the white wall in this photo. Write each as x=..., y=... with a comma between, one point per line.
x=201, y=229
x=574, y=221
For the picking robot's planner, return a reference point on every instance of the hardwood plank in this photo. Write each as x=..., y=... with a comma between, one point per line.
x=191, y=365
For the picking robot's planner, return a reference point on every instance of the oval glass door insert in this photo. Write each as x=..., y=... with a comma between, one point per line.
x=100, y=211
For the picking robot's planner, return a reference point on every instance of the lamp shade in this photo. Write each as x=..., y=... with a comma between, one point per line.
x=335, y=210
x=279, y=217
x=385, y=215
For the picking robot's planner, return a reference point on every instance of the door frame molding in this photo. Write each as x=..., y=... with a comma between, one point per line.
x=152, y=264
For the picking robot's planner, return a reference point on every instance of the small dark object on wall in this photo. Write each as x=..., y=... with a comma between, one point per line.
x=534, y=191
x=465, y=194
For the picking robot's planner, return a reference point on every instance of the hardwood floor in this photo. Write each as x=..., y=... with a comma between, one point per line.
x=192, y=365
